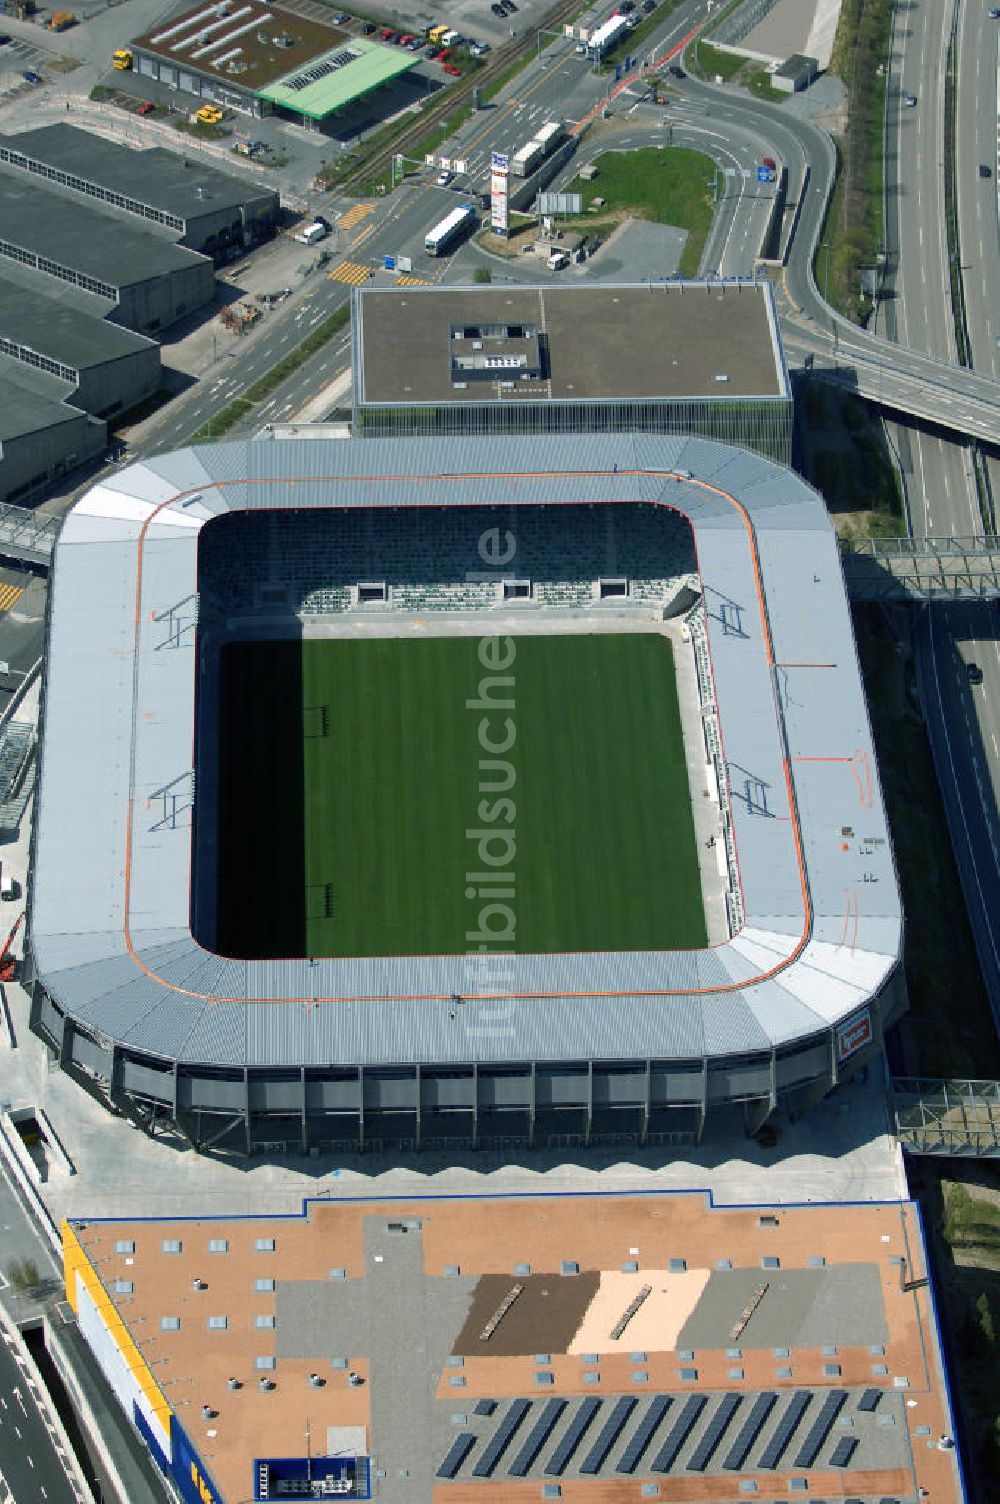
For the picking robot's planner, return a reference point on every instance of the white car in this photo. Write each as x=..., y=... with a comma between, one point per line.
x=443, y=179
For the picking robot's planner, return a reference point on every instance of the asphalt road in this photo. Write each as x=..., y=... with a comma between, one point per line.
x=31, y=1465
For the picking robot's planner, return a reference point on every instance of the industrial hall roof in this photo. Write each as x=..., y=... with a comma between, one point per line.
x=111, y=899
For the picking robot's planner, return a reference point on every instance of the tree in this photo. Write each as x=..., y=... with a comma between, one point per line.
x=984, y=1313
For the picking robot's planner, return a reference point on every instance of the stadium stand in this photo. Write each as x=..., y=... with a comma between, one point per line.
x=429, y=561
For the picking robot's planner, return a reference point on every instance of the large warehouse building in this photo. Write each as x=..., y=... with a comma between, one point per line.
x=397, y=1045
x=179, y=198
x=101, y=247
x=668, y=357
x=261, y=60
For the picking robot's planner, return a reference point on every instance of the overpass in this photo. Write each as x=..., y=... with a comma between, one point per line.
x=959, y=1119
x=897, y=378
x=25, y=538
x=926, y=569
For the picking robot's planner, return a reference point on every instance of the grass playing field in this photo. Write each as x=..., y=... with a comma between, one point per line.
x=351, y=773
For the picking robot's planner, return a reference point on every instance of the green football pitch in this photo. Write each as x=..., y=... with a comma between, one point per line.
x=352, y=773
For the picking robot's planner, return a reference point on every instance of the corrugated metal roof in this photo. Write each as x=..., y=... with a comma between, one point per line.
x=115, y=792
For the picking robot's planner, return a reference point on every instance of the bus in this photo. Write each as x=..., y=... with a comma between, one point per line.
x=448, y=231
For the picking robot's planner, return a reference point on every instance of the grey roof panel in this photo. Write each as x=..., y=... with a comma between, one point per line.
x=671, y=1006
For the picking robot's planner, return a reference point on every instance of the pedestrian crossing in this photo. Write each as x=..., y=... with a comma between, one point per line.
x=351, y=272
x=412, y=282
x=354, y=216
x=9, y=595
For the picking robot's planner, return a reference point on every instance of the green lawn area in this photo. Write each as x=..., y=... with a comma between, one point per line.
x=351, y=775
x=669, y=184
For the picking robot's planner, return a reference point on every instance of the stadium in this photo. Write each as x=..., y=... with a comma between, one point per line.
x=375, y=784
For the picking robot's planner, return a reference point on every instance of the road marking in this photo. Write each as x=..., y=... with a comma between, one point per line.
x=9, y=595
x=348, y=220
x=412, y=282
x=351, y=272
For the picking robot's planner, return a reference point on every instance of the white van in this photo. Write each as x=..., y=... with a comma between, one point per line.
x=557, y=260
x=9, y=888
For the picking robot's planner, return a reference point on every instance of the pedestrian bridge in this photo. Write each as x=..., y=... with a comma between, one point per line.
x=25, y=538
x=956, y=1119
x=924, y=569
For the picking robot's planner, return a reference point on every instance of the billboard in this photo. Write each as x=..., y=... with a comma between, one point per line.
x=853, y=1035
x=499, y=169
x=560, y=203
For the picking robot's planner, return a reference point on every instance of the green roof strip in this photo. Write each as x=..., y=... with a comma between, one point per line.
x=335, y=88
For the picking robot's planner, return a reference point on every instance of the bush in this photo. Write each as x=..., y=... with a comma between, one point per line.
x=24, y=1276
x=984, y=1320
x=482, y=274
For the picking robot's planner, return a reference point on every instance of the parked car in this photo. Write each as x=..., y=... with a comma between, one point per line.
x=452, y=70
x=974, y=673
x=984, y=171
x=368, y=28
x=995, y=12
x=444, y=178
x=4, y=39
x=626, y=7
x=770, y=164
x=648, y=7
x=910, y=99
x=146, y=108
x=342, y=17
x=30, y=77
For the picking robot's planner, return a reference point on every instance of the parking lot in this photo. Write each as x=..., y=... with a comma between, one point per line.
x=18, y=57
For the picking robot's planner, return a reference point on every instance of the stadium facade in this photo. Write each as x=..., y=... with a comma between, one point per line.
x=672, y=357
x=420, y=1051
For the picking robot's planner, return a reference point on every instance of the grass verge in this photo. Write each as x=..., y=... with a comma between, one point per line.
x=666, y=184
x=243, y=406
x=854, y=224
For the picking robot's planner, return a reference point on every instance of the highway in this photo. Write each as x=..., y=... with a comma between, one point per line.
x=31, y=1452
x=963, y=719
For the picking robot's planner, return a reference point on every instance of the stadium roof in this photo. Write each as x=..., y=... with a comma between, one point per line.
x=175, y=184
x=110, y=911
x=57, y=227
x=668, y=340
x=335, y=88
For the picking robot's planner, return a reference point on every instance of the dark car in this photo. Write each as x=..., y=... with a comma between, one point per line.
x=31, y=77
x=4, y=39
x=676, y=71
x=368, y=28
x=984, y=171
x=626, y=8
x=648, y=7
x=974, y=673
x=498, y=9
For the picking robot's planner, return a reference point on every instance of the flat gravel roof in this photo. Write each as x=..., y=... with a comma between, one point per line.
x=668, y=339
x=251, y=47
x=111, y=890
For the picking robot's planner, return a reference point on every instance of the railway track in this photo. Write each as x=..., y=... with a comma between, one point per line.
x=454, y=98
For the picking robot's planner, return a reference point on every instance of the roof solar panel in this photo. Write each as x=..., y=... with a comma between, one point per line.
x=709, y=1443
x=843, y=1451
x=679, y=1433
x=537, y=1437
x=629, y=1459
x=785, y=1429
x=820, y=1428
x=608, y=1435
x=750, y=1430
x=501, y=1438
x=457, y=1453
x=869, y=1401
x=578, y=1428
